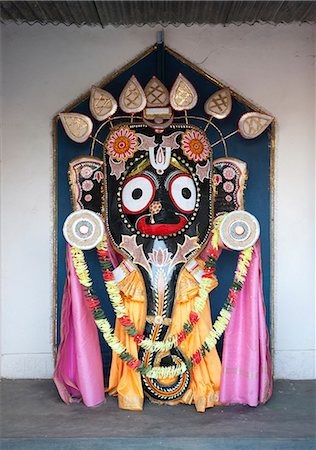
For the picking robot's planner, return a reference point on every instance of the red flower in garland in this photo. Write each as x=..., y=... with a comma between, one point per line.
x=134, y=364
x=93, y=303
x=232, y=295
x=103, y=254
x=125, y=321
x=138, y=338
x=194, y=317
x=196, y=358
x=181, y=337
x=208, y=272
x=214, y=253
x=108, y=275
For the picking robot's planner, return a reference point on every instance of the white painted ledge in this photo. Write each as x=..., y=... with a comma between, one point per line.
x=40, y=365
x=294, y=364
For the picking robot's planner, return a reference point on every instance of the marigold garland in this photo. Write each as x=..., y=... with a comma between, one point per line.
x=104, y=326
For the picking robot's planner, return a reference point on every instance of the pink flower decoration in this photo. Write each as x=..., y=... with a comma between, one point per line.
x=87, y=185
x=86, y=172
x=88, y=198
x=228, y=198
x=121, y=144
x=228, y=186
x=195, y=145
x=229, y=173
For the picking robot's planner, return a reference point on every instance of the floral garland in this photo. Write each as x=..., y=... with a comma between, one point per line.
x=104, y=326
x=224, y=316
x=122, y=314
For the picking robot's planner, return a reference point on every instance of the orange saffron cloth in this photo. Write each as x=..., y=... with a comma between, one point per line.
x=124, y=382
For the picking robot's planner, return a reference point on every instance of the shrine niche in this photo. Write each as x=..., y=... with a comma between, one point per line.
x=163, y=191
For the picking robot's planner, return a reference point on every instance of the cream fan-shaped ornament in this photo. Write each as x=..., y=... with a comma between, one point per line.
x=83, y=229
x=239, y=230
x=77, y=126
x=252, y=124
x=132, y=99
x=219, y=104
x=102, y=104
x=183, y=95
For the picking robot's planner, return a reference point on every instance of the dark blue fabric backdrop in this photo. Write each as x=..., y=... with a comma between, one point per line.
x=255, y=152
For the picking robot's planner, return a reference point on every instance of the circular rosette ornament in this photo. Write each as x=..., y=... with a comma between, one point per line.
x=83, y=229
x=195, y=145
x=121, y=143
x=239, y=230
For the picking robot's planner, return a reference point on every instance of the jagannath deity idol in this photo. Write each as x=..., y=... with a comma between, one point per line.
x=157, y=211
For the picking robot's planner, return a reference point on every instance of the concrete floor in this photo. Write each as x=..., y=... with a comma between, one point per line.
x=34, y=417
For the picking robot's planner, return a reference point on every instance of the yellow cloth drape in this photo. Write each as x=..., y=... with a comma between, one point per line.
x=125, y=382
x=205, y=377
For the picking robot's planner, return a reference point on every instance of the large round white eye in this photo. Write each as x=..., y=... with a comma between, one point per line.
x=138, y=192
x=183, y=192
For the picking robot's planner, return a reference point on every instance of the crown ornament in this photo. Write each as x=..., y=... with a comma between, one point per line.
x=155, y=108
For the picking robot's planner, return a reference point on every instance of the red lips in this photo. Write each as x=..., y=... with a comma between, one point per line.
x=160, y=229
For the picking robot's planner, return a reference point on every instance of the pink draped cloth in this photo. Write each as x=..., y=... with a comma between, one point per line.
x=79, y=371
x=246, y=362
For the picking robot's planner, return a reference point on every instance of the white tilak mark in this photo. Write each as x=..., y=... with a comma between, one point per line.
x=161, y=160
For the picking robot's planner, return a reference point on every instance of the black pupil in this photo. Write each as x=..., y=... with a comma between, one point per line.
x=186, y=193
x=137, y=193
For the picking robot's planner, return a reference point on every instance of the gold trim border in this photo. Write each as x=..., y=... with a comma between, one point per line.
x=239, y=98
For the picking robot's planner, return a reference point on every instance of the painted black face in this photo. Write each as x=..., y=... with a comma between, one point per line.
x=159, y=204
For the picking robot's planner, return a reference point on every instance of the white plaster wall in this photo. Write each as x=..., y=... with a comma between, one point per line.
x=44, y=68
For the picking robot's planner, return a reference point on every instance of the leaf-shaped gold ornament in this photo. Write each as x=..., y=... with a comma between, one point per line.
x=132, y=99
x=252, y=124
x=219, y=104
x=77, y=126
x=183, y=96
x=102, y=104
x=156, y=93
